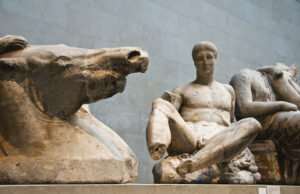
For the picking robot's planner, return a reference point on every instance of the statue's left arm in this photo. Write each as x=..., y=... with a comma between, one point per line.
x=232, y=93
x=284, y=83
x=287, y=90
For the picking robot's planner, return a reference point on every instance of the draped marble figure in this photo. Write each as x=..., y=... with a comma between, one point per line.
x=272, y=96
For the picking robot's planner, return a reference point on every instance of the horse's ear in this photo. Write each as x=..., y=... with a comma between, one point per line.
x=293, y=69
x=10, y=64
x=12, y=43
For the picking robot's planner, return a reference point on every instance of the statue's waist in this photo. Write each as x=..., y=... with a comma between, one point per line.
x=217, y=116
x=205, y=130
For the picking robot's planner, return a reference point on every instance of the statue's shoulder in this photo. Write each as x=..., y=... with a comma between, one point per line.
x=181, y=89
x=244, y=76
x=227, y=87
x=247, y=73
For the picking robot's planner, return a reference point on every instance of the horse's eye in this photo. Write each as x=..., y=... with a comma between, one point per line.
x=92, y=85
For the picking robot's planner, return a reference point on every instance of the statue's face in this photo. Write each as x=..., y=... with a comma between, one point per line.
x=205, y=62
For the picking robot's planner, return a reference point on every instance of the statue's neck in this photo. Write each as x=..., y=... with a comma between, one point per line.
x=205, y=79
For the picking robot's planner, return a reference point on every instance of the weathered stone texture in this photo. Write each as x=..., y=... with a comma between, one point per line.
x=167, y=30
x=266, y=159
x=47, y=133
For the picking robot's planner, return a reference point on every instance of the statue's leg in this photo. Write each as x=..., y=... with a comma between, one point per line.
x=284, y=128
x=223, y=146
x=166, y=129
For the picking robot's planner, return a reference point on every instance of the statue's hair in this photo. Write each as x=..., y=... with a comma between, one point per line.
x=204, y=45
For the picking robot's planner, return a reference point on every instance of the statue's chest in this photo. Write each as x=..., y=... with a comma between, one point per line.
x=261, y=90
x=207, y=98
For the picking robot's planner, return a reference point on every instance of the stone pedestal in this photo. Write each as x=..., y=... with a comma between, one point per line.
x=148, y=189
x=267, y=161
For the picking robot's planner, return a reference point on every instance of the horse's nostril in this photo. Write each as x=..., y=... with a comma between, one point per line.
x=133, y=55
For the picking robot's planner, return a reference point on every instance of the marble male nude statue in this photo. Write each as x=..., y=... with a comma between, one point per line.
x=197, y=118
x=272, y=96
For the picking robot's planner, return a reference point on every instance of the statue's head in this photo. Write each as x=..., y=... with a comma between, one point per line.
x=204, y=55
x=59, y=79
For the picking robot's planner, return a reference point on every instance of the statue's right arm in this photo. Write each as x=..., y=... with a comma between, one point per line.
x=247, y=107
x=173, y=97
x=158, y=131
x=11, y=43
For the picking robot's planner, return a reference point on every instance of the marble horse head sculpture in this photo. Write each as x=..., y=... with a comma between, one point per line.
x=47, y=135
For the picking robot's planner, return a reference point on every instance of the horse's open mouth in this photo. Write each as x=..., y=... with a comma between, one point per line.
x=103, y=84
x=144, y=65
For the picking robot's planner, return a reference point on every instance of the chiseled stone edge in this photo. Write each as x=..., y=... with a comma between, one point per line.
x=38, y=171
x=148, y=189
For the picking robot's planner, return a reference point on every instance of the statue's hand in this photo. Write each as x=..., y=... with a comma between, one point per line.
x=286, y=106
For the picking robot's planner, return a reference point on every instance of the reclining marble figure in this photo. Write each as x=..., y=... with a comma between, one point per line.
x=272, y=96
x=194, y=125
x=47, y=136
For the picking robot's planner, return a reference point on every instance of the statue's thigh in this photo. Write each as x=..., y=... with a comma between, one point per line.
x=244, y=130
x=235, y=138
x=183, y=138
x=281, y=123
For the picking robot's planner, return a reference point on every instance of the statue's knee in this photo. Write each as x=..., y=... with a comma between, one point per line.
x=158, y=102
x=253, y=125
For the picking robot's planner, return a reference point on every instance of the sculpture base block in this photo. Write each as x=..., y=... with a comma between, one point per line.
x=148, y=189
x=65, y=171
x=267, y=161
